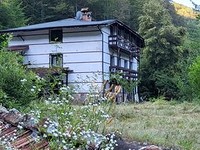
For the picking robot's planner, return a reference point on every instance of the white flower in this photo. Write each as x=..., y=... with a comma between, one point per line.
x=65, y=147
x=55, y=134
x=19, y=126
x=44, y=135
x=23, y=80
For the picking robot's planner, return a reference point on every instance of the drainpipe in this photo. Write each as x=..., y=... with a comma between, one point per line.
x=102, y=57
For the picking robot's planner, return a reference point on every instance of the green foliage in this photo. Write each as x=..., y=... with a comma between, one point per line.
x=47, y=10
x=190, y=57
x=18, y=87
x=194, y=79
x=4, y=38
x=11, y=14
x=128, y=85
x=69, y=126
x=162, y=52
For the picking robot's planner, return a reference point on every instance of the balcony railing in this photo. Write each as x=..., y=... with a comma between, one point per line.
x=125, y=72
x=125, y=46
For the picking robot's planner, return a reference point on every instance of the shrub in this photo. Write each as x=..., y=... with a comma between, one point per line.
x=18, y=87
x=71, y=127
x=194, y=78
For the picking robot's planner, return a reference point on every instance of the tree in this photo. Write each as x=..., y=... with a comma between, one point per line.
x=162, y=52
x=47, y=10
x=136, y=12
x=11, y=14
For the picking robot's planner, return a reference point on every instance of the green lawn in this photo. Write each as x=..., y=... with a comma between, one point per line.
x=162, y=123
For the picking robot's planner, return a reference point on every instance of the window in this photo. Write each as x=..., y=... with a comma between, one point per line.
x=131, y=65
x=112, y=61
x=119, y=62
x=113, y=30
x=126, y=64
x=56, y=35
x=56, y=60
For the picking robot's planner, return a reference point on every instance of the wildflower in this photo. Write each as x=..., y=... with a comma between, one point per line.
x=19, y=126
x=55, y=134
x=23, y=80
x=44, y=135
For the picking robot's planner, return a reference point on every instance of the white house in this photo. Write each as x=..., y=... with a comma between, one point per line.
x=82, y=48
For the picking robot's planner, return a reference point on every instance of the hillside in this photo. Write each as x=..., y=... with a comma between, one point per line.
x=185, y=11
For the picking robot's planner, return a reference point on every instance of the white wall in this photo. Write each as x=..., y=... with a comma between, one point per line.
x=82, y=53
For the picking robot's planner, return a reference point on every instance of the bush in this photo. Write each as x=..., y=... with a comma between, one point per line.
x=18, y=87
x=70, y=126
x=194, y=78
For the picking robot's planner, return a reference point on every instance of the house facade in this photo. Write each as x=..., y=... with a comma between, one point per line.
x=88, y=51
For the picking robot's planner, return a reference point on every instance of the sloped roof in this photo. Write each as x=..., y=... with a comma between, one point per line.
x=19, y=132
x=69, y=23
x=60, y=24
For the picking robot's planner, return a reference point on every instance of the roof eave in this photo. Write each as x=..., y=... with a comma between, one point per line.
x=25, y=30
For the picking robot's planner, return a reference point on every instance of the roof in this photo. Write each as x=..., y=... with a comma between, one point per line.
x=18, y=131
x=69, y=23
x=60, y=24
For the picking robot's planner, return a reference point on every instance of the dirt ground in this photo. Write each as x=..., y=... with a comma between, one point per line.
x=123, y=145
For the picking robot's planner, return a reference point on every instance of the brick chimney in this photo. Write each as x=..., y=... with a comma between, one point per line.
x=84, y=14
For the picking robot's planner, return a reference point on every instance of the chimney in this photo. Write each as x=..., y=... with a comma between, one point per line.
x=84, y=14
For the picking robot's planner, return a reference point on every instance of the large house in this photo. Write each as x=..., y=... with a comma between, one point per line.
x=82, y=48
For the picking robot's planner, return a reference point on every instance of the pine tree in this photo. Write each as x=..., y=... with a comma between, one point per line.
x=162, y=51
x=11, y=14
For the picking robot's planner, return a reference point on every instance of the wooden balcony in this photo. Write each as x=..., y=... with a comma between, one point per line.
x=116, y=42
x=126, y=73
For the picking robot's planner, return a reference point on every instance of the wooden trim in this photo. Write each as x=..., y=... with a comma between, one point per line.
x=81, y=62
x=124, y=69
x=74, y=72
x=64, y=42
x=82, y=82
x=65, y=53
x=19, y=48
x=63, y=33
x=55, y=29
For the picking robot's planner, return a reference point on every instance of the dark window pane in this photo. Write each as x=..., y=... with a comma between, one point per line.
x=56, y=35
x=56, y=60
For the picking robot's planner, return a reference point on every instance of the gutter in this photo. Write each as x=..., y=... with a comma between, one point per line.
x=102, y=57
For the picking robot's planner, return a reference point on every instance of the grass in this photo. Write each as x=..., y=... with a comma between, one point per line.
x=163, y=123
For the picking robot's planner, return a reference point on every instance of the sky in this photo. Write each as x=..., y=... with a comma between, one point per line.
x=187, y=2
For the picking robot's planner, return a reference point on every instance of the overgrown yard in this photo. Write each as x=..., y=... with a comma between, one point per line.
x=162, y=123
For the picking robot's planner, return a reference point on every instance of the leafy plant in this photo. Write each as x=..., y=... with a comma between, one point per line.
x=128, y=85
x=72, y=126
x=194, y=79
x=17, y=85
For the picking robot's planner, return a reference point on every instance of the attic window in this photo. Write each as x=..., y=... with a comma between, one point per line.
x=56, y=35
x=56, y=60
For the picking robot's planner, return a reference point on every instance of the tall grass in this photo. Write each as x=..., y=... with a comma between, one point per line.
x=162, y=123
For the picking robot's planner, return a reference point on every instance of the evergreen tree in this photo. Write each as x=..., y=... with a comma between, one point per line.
x=47, y=10
x=136, y=12
x=11, y=14
x=162, y=51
